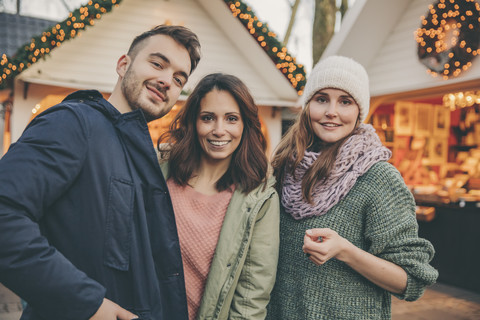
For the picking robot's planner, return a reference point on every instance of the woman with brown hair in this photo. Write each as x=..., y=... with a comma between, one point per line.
x=226, y=207
x=348, y=231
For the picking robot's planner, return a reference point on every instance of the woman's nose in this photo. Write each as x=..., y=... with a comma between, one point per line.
x=331, y=109
x=219, y=128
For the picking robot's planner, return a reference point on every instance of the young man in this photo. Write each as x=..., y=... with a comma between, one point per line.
x=87, y=229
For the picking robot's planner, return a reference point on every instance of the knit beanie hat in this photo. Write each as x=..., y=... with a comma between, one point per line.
x=342, y=73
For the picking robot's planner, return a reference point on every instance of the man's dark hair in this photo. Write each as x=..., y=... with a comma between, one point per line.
x=182, y=35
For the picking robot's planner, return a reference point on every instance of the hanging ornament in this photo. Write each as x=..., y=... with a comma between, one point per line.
x=448, y=39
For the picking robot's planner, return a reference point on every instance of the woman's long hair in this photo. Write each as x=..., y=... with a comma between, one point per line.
x=249, y=164
x=291, y=150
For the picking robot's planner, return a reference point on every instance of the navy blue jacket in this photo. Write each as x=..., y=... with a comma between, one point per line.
x=85, y=214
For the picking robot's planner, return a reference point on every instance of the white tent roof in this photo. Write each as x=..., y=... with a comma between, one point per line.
x=88, y=61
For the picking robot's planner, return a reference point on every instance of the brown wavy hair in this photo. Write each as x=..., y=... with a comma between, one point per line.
x=249, y=165
x=289, y=153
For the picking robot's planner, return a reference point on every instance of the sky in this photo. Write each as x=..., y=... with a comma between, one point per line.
x=277, y=14
x=44, y=9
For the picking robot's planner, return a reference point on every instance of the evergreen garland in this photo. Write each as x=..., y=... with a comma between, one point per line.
x=294, y=72
x=85, y=16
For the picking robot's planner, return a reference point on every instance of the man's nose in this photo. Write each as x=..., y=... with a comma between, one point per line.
x=164, y=80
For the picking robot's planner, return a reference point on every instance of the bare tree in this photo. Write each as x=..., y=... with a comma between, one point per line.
x=343, y=8
x=324, y=24
x=294, y=8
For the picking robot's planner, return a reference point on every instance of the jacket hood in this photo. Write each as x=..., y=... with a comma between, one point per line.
x=100, y=104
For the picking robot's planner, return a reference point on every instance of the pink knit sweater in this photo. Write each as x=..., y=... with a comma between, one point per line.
x=199, y=219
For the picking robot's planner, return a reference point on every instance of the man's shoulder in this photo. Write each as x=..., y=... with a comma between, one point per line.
x=76, y=112
x=75, y=101
x=88, y=105
x=85, y=101
x=82, y=95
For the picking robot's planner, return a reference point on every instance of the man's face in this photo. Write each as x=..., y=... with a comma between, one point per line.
x=154, y=79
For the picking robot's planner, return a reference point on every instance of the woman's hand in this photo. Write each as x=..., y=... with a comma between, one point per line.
x=321, y=245
x=109, y=310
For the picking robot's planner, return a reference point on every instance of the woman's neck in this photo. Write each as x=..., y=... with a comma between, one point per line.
x=205, y=179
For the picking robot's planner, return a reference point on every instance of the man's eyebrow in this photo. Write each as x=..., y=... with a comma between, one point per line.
x=161, y=56
x=164, y=58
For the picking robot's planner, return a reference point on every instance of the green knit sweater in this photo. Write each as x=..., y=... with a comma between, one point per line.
x=377, y=215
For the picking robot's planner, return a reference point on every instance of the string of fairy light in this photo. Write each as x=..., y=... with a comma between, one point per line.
x=267, y=39
x=448, y=39
x=42, y=45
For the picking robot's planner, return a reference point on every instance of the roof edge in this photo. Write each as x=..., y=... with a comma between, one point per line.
x=41, y=45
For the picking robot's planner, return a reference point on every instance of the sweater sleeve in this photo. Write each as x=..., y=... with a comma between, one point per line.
x=33, y=174
x=258, y=274
x=392, y=229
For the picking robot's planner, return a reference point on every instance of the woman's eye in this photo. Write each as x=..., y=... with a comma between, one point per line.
x=346, y=102
x=321, y=99
x=232, y=119
x=206, y=118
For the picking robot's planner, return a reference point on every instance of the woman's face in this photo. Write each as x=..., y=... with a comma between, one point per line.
x=333, y=114
x=219, y=126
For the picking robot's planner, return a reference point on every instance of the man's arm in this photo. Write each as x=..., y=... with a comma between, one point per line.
x=33, y=174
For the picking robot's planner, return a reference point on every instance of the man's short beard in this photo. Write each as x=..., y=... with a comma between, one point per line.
x=133, y=97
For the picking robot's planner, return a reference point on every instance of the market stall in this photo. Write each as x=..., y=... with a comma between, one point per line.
x=436, y=148
x=422, y=59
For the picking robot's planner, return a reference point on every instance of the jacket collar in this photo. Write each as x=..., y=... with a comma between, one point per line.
x=103, y=105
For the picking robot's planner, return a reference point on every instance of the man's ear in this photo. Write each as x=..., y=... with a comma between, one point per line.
x=122, y=65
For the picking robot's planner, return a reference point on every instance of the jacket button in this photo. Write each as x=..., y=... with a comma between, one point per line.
x=229, y=265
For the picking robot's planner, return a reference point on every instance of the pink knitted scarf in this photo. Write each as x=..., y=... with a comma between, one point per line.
x=358, y=154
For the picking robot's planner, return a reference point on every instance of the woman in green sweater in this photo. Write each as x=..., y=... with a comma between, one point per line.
x=348, y=231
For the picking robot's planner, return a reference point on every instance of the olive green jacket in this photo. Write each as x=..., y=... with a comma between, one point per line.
x=244, y=266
